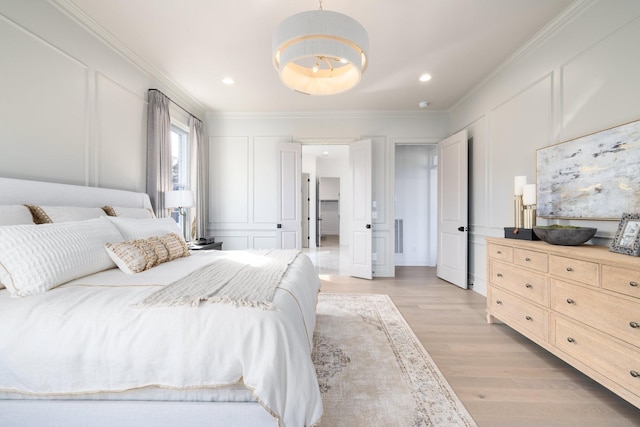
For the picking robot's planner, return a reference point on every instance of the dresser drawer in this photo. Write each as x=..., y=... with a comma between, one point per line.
x=504, y=253
x=518, y=313
x=611, y=359
x=621, y=280
x=531, y=259
x=524, y=283
x=581, y=271
x=607, y=313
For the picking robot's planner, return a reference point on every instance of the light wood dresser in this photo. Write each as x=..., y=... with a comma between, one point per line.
x=581, y=303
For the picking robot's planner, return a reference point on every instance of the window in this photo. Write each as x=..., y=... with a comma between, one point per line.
x=179, y=164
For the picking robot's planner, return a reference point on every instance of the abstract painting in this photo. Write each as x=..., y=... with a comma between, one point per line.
x=595, y=176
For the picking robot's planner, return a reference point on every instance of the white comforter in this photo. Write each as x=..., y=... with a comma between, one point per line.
x=86, y=337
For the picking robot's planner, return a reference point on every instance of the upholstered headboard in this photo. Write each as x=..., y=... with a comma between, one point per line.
x=20, y=191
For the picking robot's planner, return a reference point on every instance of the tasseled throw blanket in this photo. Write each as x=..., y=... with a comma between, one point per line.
x=246, y=282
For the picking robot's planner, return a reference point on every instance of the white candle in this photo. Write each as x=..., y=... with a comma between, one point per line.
x=529, y=195
x=518, y=183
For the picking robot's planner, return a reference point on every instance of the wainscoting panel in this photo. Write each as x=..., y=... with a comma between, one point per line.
x=264, y=242
x=266, y=178
x=230, y=241
x=121, y=123
x=43, y=115
x=229, y=179
x=514, y=140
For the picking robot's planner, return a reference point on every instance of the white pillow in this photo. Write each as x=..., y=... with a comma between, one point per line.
x=140, y=213
x=36, y=258
x=136, y=228
x=15, y=214
x=55, y=214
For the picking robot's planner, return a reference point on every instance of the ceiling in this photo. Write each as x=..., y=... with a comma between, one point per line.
x=196, y=43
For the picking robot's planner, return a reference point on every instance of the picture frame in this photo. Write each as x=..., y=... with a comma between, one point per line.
x=627, y=238
x=590, y=177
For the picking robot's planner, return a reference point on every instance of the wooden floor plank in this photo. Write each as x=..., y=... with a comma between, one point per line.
x=501, y=377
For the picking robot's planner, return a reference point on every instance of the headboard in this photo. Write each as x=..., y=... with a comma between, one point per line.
x=20, y=191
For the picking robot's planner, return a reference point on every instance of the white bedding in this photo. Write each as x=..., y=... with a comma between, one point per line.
x=86, y=337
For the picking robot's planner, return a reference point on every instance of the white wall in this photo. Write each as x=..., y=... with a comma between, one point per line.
x=383, y=128
x=578, y=77
x=72, y=110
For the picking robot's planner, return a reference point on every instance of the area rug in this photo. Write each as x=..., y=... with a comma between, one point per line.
x=373, y=370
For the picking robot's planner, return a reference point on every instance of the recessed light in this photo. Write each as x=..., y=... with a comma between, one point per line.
x=425, y=77
x=423, y=104
x=227, y=81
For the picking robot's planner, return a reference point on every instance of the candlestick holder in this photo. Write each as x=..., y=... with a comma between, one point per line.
x=529, y=215
x=518, y=214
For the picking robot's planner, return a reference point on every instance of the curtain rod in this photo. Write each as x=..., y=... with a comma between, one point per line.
x=176, y=104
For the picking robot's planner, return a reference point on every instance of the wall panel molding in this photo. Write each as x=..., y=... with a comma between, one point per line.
x=118, y=111
x=45, y=85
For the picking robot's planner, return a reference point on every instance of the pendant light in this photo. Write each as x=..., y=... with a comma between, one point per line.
x=320, y=52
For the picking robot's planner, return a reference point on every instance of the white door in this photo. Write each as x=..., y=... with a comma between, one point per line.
x=360, y=169
x=452, y=209
x=289, y=226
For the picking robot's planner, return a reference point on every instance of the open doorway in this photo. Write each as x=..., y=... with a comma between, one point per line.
x=328, y=211
x=416, y=186
x=327, y=166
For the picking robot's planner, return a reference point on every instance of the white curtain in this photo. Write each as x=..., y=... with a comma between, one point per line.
x=159, y=173
x=199, y=158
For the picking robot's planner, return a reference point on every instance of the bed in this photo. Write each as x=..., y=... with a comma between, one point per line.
x=93, y=342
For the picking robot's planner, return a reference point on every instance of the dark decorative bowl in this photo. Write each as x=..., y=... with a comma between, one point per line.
x=565, y=236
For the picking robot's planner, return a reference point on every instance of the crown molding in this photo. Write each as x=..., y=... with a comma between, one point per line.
x=174, y=91
x=363, y=114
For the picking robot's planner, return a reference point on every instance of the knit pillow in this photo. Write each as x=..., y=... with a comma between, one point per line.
x=135, y=256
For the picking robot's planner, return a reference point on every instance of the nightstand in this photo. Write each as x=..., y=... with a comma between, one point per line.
x=211, y=246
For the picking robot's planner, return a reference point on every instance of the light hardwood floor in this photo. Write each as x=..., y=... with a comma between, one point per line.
x=501, y=377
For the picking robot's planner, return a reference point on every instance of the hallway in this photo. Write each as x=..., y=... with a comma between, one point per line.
x=330, y=258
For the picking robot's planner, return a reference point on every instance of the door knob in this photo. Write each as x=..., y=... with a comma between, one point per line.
x=368, y=226
x=461, y=228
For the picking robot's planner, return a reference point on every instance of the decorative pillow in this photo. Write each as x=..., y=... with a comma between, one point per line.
x=15, y=214
x=36, y=258
x=176, y=246
x=135, y=256
x=140, y=213
x=55, y=214
x=135, y=228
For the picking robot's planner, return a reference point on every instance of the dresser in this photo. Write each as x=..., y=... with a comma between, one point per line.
x=581, y=303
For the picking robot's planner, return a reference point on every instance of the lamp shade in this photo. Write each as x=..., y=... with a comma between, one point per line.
x=320, y=52
x=178, y=199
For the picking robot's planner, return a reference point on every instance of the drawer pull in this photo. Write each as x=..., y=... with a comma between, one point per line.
x=570, y=301
x=527, y=259
x=569, y=269
x=499, y=274
x=635, y=374
x=528, y=318
x=569, y=339
x=528, y=286
x=499, y=252
x=634, y=325
x=634, y=284
x=498, y=302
